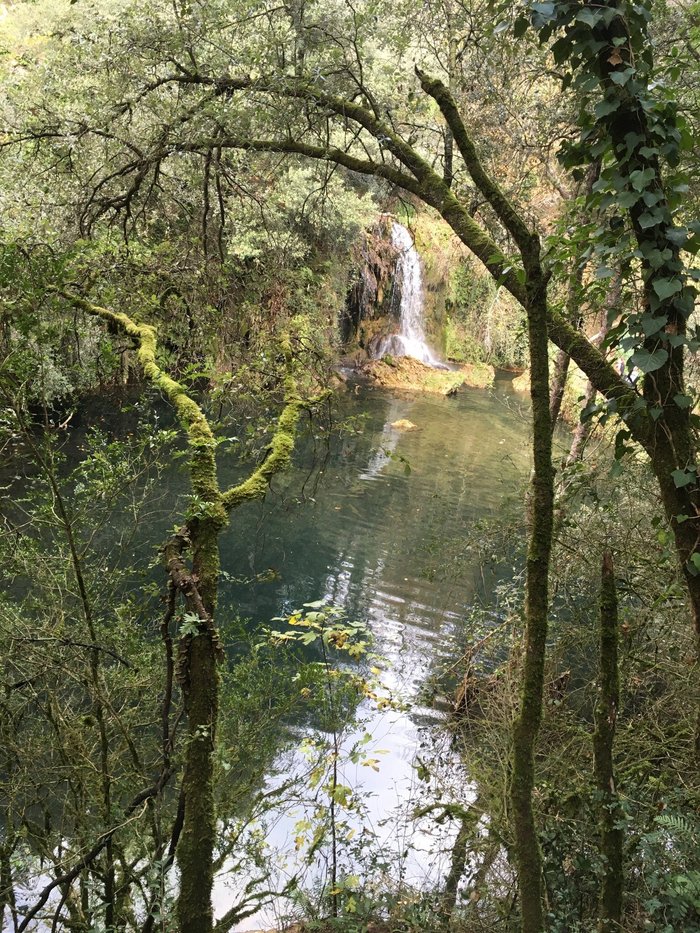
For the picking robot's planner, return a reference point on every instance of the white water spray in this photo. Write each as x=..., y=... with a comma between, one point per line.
x=410, y=340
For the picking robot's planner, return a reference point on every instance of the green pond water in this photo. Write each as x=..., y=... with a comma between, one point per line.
x=367, y=520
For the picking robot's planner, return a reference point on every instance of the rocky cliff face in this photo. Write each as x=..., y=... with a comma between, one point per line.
x=372, y=302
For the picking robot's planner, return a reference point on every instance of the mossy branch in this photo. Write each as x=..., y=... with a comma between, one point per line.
x=193, y=421
x=493, y=193
x=279, y=451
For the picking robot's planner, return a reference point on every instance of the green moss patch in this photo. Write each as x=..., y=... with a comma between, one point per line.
x=412, y=375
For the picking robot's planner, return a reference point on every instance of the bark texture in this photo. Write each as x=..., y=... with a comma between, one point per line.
x=607, y=704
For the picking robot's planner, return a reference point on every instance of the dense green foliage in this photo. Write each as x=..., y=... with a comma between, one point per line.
x=195, y=200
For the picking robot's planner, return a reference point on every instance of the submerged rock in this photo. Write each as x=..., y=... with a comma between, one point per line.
x=403, y=424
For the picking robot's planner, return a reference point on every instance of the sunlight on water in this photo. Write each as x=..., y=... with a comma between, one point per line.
x=373, y=539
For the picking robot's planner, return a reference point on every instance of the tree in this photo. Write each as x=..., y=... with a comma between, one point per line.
x=313, y=86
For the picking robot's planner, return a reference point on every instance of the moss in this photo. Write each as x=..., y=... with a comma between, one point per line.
x=406, y=373
x=199, y=656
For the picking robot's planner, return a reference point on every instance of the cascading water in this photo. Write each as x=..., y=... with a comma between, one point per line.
x=410, y=340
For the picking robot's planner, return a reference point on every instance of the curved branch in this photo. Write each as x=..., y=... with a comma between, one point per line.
x=293, y=147
x=192, y=419
x=490, y=189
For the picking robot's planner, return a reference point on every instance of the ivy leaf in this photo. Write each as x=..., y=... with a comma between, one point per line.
x=605, y=107
x=628, y=199
x=650, y=219
x=520, y=27
x=683, y=478
x=683, y=401
x=561, y=50
x=647, y=361
x=641, y=178
x=544, y=9
x=665, y=288
x=622, y=77
x=588, y=16
x=678, y=236
x=651, y=324
x=604, y=272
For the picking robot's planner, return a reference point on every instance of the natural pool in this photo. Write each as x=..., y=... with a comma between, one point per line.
x=365, y=521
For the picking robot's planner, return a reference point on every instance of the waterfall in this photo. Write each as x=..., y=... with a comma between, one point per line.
x=410, y=340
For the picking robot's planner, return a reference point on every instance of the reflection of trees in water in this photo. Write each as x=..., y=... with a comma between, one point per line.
x=388, y=442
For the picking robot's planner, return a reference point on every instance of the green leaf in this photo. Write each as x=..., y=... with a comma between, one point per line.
x=678, y=236
x=628, y=199
x=683, y=478
x=621, y=77
x=520, y=27
x=605, y=107
x=664, y=288
x=647, y=361
x=683, y=401
x=650, y=219
x=588, y=16
x=651, y=324
x=641, y=178
x=561, y=50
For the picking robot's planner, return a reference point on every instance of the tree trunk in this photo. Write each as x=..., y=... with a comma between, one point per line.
x=608, y=313
x=605, y=715
x=561, y=369
x=527, y=723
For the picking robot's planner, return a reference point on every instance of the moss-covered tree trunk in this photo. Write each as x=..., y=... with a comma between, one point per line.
x=606, y=707
x=200, y=680
x=527, y=723
x=197, y=584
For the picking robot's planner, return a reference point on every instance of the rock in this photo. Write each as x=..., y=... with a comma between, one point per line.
x=403, y=424
x=521, y=383
x=404, y=372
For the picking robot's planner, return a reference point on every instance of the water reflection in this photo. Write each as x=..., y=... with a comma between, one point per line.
x=368, y=541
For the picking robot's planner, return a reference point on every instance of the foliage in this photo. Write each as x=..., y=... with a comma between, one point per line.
x=654, y=744
x=178, y=163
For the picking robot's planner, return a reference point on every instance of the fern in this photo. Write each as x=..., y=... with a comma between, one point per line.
x=677, y=824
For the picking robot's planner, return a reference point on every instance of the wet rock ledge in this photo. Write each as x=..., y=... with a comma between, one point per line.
x=409, y=374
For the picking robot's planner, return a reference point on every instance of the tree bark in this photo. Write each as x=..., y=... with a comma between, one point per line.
x=561, y=369
x=527, y=723
x=606, y=707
